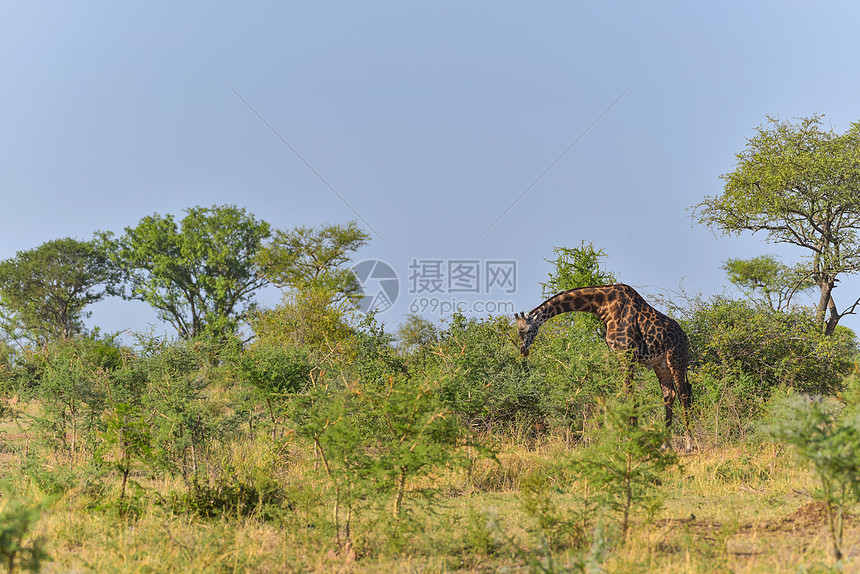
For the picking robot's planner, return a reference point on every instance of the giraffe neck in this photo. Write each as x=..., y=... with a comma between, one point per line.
x=586, y=300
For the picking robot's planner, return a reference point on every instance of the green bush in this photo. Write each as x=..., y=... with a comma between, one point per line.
x=186, y=420
x=826, y=433
x=376, y=356
x=26, y=370
x=313, y=320
x=578, y=369
x=168, y=388
x=276, y=370
x=623, y=464
x=486, y=381
x=375, y=442
x=126, y=441
x=18, y=547
x=766, y=349
x=230, y=496
x=483, y=378
x=71, y=378
x=744, y=354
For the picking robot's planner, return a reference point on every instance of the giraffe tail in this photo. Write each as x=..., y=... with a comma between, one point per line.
x=686, y=391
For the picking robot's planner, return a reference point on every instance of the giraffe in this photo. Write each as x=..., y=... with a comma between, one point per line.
x=633, y=326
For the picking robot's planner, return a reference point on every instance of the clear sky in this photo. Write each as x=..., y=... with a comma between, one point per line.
x=428, y=120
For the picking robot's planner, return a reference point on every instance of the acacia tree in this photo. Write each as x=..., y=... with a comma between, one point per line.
x=572, y=268
x=306, y=258
x=199, y=275
x=45, y=290
x=576, y=267
x=767, y=279
x=799, y=184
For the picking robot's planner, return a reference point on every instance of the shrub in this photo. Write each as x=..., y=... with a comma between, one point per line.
x=826, y=433
x=170, y=382
x=72, y=380
x=231, y=496
x=577, y=369
x=482, y=376
x=768, y=348
x=744, y=354
x=18, y=547
x=275, y=370
x=374, y=441
x=624, y=462
x=312, y=319
x=376, y=356
x=126, y=433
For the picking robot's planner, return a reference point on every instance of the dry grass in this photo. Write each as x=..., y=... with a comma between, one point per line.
x=740, y=508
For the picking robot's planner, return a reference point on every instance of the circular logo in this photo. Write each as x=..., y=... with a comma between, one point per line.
x=379, y=285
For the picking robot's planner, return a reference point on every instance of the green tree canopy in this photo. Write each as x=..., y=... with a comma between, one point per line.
x=309, y=319
x=574, y=268
x=199, y=275
x=766, y=278
x=309, y=258
x=45, y=290
x=798, y=183
x=415, y=332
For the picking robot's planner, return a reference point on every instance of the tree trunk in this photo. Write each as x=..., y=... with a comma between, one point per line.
x=825, y=303
x=401, y=487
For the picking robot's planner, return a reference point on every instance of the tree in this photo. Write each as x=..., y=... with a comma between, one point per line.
x=798, y=183
x=200, y=275
x=827, y=435
x=46, y=289
x=308, y=319
x=766, y=275
x=415, y=332
x=574, y=268
x=309, y=258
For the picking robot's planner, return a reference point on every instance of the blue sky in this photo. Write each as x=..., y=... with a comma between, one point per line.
x=428, y=119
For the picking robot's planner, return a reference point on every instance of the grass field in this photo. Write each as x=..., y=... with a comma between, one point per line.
x=748, y=507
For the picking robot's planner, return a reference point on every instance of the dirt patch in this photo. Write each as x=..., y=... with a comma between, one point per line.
x=809, y=518
x=692, y=525
x=796, y=534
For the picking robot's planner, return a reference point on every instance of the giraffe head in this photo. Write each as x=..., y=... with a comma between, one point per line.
x=527, y=330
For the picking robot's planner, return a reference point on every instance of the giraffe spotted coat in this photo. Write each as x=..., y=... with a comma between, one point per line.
x=632, y=325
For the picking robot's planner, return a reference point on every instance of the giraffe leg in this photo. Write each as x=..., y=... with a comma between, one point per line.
x=629, y=367
x=685, y=390
x=667, y=385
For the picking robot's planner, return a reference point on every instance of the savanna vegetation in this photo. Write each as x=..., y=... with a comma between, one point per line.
x=310, y=437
